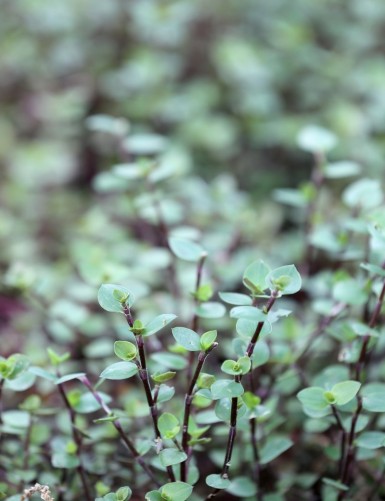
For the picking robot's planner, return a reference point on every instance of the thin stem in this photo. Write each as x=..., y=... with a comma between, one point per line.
x=143, y=375
x=230, y=441
x=373, y=320
x=257, y=470
x=317, y=180
x=187, y=408
x=78, y=441
x=124, y=438
x=254, y=339
x=342, y=440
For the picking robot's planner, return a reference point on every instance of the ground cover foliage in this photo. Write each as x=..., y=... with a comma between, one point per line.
x=192, y=251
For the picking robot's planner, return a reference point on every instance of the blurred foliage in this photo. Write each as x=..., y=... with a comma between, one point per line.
x=126, y=122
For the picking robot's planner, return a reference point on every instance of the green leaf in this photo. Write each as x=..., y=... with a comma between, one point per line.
x=186, y=249
x=87, y=403
x=349, y=291
x=210, y=310
x=162, y=377
x=314, y=139
x=123, y=494
x=204, y=293
x=169, y=360
x=158, y=324
x=207, y=339
x=273, y=448
x=70, y=377
x=235, y=298
x=226, y=388
x=107, y=297
x=205, y=381
x=171, y=456
x=364, y=193
x=313, y=398
x=249, y=313
x=168, y=425
x=217, y=481
x=165, y=393
x=334, y=483
x=255, y=276
x=373, y=397
x=245, y=364
x=345, y=392
x=176, y=491
x=120, y=370
x=153, y=496
x=231, y=367
x=187, y=338
x=285, y=279
x=341, y=169
x=371, y=440
x=64, y=460
x=125, y=350
x=57, y=359
x=251, y=400
x=242, y=487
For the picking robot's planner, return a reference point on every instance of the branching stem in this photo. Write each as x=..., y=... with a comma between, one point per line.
x=124, y=438
x=187, y=408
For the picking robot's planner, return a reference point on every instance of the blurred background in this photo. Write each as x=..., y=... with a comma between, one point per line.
x=229, y=82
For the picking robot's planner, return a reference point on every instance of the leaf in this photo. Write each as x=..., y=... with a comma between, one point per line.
x=168, y=425
x=226, y=388
x=171, y=456
x=334, y=483
x=255, y=275
x=120, y=370
x=108, y=301
x=64, y=460
x=341, y=169
x=371, y=440
x=349, y=291
x=210, y=310
x=365, y=193
x=158, y=324
x=186, y=249
x=314, y=138
x=217, y=481
x=248, y=312
x=123, y=494
x=145, y=144
x=165, y=393
x=231, y=367
x=273, y=448
x=187, y=338
x=286, y=279
x=345, y=392
x=87, y=403
x=235, y=298
x=125, y=350
x=169, y=360
x=153, y=496
x=207, y=339
x=176, y=491
x=313, y=398
x=70, y=377
x=242, y=487
x=162, y=377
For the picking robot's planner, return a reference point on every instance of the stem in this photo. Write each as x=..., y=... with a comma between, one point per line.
x=317, y=180
x=143, y=375
x=195, y=318
x=254, y=339
x=124, y=438
x=257, y=470
x=78, y=441
x=373, y=320
x=230, y=441
x=343, y=439
x=350, y=456
x=187, y=408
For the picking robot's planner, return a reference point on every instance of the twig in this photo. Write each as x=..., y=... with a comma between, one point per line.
x=116, y=423
x=187, y=408
x=78, y=441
